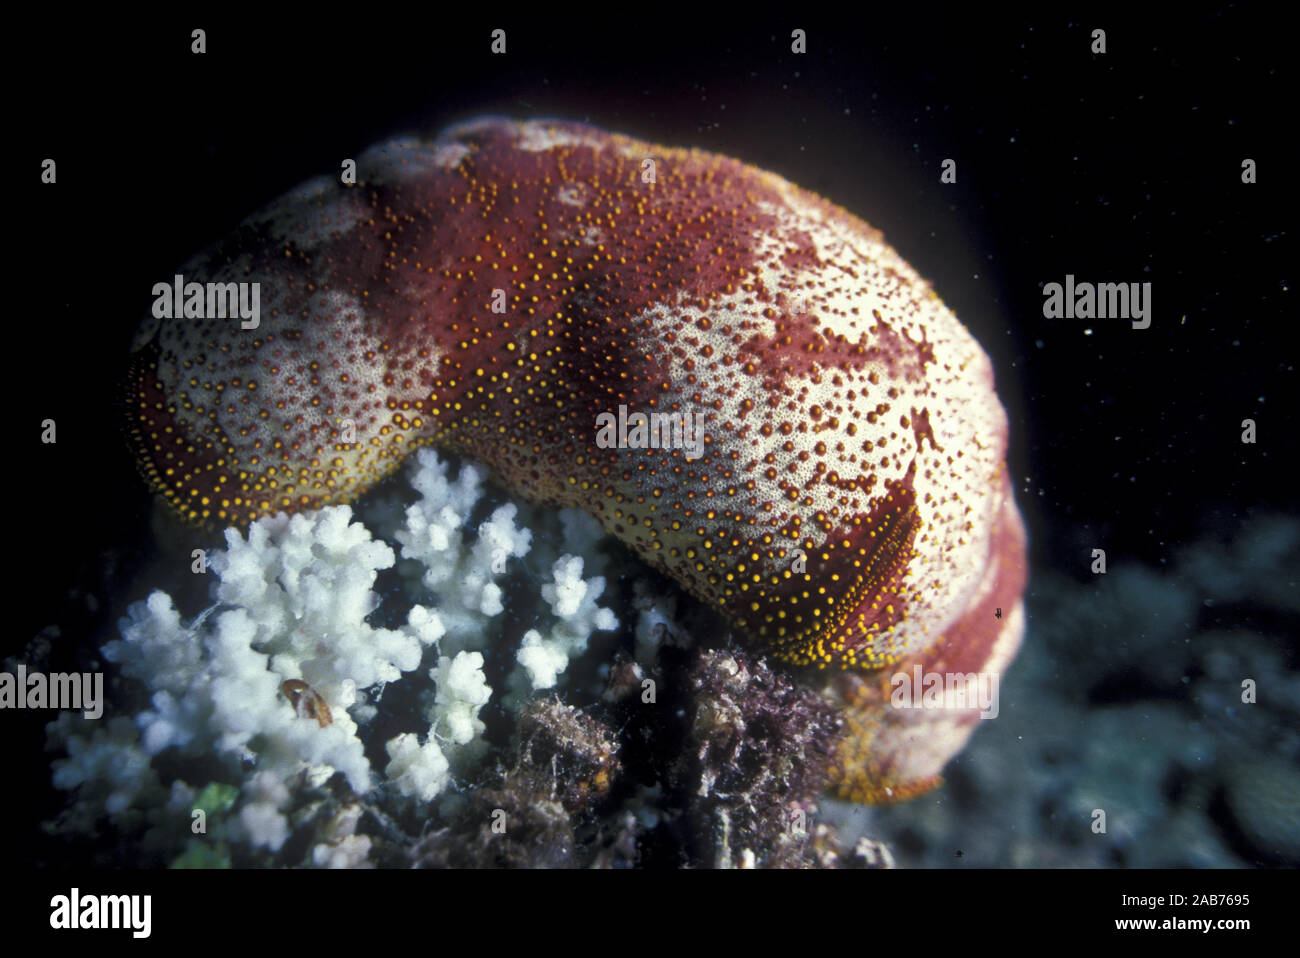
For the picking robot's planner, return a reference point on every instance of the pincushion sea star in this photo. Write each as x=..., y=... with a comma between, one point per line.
x=496, y=290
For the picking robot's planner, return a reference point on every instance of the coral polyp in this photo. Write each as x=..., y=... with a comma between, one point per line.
x=499, y=289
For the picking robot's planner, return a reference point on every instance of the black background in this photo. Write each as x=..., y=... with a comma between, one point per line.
x=1122, y=167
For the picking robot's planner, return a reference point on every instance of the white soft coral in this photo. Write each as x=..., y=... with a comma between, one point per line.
x=418, y=771
x=463, y=579
x=462, y=692
x=573, y=602
x=300, y=589
x=292, y=601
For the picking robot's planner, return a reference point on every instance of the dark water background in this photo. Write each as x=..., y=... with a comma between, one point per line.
x=1123, y=167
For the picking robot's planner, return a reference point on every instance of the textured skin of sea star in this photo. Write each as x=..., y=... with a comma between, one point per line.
x=496, y=289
